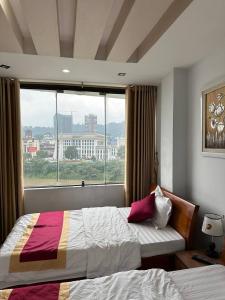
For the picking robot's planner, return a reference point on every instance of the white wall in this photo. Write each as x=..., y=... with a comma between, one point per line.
x=205, y=175
x=172, y=135
x=183, y=168
x=165, y=147
x=180, y=132
x=66, y=198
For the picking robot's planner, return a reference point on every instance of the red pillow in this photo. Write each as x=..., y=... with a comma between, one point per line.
x=143, y=209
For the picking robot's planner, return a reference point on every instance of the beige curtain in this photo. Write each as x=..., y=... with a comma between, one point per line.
x=140, y=148
x=11, y=190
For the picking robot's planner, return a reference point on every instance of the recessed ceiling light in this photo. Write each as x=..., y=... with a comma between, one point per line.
x=66, y=71
x=121, y=74
x=4, y=66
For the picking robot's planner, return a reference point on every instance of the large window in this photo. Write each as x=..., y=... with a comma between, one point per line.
x=70, y=137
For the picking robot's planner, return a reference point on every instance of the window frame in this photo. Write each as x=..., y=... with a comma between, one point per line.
x=72, y=87
x=60, y=88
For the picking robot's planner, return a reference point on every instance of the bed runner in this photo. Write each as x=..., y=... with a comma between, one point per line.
x=51, y=291
x=44, y=239
x=44, y=243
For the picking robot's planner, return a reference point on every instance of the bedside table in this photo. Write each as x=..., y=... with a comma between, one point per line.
x=183, y=259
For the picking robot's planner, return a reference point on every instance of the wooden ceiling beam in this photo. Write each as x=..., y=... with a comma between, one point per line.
x=42, y=20
x=91, y=18
x=11, y=35
x=142, y=17
x=118, y=16
x=167, y=19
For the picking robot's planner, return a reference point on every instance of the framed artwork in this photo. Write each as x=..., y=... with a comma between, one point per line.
x=213, y=121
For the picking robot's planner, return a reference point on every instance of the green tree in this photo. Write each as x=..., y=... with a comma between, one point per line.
x=121, y=152
x=71, y=152
x=41, y=169
x=42, y=154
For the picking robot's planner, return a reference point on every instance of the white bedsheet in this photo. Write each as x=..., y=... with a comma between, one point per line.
x=155, y=241
x=204, y=283
x=112, y=245
x=152, y=284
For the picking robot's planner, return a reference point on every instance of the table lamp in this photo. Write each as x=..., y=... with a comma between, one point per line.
x=213, y=226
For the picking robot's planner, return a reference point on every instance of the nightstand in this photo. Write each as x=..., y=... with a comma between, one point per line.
x=183, y=260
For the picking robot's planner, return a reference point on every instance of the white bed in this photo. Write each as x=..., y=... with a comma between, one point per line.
x=205, y=283
x=87, y=257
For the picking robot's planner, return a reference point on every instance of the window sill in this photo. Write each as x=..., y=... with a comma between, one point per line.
x=88, y=186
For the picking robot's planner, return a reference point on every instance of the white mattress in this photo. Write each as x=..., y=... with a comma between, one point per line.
x=204, y=283
x=155, y=241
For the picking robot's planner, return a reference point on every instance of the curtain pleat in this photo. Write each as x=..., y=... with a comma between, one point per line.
x=11, y=187
x=140, y=146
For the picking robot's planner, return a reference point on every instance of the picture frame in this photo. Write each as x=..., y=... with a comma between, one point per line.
x=213, y=121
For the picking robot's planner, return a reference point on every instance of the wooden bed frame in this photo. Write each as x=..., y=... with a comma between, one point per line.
x=222, y=256
x=183, y=220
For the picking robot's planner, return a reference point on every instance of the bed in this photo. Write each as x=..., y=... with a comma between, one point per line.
x=204, y=283
x=183, y=220
x=94, y=242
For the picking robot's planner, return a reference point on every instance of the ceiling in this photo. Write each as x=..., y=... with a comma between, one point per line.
x=97, y=39
x=113, y=30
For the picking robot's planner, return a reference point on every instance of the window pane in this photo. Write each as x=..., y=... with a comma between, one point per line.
x=115, y=136
x=81, y=138
x=72, y=136
x=37, y=111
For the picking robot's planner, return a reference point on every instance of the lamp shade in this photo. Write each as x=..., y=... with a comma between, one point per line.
x=212, y=225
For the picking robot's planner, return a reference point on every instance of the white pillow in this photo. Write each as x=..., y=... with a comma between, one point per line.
x=158, y=191
x=163, y=208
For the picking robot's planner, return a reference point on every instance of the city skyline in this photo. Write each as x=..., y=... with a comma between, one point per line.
x=66, y=126
x=39, y=107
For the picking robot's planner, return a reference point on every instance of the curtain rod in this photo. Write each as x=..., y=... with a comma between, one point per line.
x=72, y=87
x=72, y=83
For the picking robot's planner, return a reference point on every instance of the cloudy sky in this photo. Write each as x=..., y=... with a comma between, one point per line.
x=39, y=107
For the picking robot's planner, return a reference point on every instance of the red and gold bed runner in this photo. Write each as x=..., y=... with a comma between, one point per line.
x=51, y=291
x=44, y=243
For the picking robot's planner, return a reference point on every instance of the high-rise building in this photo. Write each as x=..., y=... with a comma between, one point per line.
x=91, y=122
x=64, y=122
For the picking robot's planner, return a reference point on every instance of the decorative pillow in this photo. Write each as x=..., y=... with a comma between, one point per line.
x=143, y=209
x=163, y=208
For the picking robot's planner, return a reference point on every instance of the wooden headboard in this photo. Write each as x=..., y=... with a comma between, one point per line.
x=184, y=216
x=222, y=256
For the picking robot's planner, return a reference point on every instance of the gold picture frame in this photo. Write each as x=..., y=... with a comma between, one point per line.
x=213, y=121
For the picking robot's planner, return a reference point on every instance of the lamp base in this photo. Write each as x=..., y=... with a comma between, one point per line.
x=211, y=252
